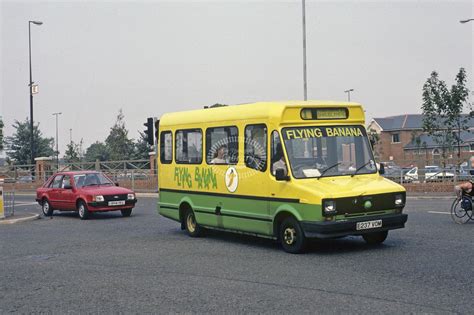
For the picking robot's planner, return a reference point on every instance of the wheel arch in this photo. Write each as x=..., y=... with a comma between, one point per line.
x=184, y=205
x=281, y=214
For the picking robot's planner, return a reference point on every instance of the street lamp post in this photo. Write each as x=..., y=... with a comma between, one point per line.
x=305, y=85
x=349, y=94
x=32, y=145
x=57, y=149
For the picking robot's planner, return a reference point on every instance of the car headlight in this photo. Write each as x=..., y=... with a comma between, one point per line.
x=99, y=198
x=329, y=207
x=398, y=200
x=131, y=196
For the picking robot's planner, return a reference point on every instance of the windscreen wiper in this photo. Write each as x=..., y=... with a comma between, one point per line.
x=328, y=168
x=361, y=167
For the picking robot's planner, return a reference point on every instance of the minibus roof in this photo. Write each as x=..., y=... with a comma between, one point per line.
x=285, y=112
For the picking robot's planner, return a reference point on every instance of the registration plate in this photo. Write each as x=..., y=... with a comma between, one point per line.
x=117, y=203
x=369, y=225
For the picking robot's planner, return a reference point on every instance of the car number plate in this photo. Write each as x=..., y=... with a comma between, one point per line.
x=117, y=203
x=369, y=225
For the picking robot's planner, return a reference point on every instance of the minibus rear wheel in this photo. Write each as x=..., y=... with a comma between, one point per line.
x=375, y=237
x=192, y=228
x=291, y=236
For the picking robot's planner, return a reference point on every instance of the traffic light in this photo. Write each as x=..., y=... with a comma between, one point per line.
x=149, y=131
x=157, y=129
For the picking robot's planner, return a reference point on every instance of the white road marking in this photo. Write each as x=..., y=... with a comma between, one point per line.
x=22, y=204
x=439, y=212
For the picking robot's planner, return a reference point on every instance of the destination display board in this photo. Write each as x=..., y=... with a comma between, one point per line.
x=324, y=113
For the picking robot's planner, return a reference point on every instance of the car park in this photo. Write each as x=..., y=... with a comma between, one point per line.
x=432, y=173
x=85, y=192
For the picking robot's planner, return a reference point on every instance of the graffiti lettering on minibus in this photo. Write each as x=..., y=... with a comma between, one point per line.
x=204, y=177
x=182, y=177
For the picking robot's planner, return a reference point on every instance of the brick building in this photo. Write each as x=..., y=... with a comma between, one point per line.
x=401, y=139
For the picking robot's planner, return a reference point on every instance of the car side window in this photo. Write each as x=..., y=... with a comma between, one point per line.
x=56, y=183
x=66, y=182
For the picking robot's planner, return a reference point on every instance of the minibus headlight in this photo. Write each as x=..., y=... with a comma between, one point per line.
x=131, y=196
x=99, y=198
x=399, y=200
x=329, y=206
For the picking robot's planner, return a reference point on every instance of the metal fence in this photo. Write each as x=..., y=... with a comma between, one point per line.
x=137, y=175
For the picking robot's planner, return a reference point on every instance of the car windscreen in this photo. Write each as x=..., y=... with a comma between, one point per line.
x=91, y=179
x=328, y=151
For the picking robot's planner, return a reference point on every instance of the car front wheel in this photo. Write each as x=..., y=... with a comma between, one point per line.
x=46, y=207
x=84, y=213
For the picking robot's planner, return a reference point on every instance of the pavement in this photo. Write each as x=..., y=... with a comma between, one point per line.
x=20, y=218
x=146, y=264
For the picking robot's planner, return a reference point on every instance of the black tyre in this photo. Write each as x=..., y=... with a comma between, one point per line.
x=375, y=237
x=192, y=228
x=84, y=213
x=126, y=212
x=291, y=236
x=46, y=208
x=458, y=214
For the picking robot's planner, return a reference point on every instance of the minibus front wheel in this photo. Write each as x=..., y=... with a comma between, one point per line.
x=192, y=228
x=291, y=236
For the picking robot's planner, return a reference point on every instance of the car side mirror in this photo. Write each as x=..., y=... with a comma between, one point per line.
x=382, y=169
x=67, y=187
x=280, y=175
x=117, y=184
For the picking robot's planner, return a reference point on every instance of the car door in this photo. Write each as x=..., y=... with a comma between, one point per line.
x=54, y=193
x=66, y=194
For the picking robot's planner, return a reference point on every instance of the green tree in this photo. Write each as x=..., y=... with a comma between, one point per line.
x=118, y=144
x=374, y=139
x=97, y=151
x=18, y=145
x=442, y=111
x=142, y=148
x=73, y=152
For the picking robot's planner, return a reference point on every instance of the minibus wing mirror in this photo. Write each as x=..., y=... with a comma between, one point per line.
x=280, y=175
x=381, y=169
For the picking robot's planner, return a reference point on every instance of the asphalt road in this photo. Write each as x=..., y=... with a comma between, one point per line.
x=145, y=263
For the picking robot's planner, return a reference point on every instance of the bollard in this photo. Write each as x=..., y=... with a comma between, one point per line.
x=2, y=208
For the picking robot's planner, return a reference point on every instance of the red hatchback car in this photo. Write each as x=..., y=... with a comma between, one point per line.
x=84, y=192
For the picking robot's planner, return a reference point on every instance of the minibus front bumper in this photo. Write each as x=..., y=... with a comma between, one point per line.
x=332, y=229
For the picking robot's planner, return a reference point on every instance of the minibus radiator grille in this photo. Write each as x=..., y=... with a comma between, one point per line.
x=358, y=204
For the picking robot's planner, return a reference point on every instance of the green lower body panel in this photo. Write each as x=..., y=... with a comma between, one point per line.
x=224, y=212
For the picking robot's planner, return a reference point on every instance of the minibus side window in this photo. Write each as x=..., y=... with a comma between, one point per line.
x=277, y=157
x=222, y=145
x=256, y=147
x=188, y=146
x=166, y=152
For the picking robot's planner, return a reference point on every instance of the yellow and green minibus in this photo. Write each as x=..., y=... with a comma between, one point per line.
x=289, y=171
